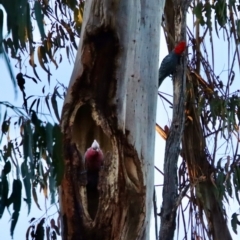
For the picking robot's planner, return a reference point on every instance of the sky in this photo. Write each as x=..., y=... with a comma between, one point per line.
x=63, y=75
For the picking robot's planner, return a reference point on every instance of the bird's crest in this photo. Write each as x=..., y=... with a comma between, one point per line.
x=180, y=47
x=95, y=145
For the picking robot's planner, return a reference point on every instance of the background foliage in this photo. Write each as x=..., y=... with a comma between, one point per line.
x=39, y=34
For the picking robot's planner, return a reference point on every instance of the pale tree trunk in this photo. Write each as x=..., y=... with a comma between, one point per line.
x=112, y=97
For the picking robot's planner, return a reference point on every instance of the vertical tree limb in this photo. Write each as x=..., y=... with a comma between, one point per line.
x=172, y=150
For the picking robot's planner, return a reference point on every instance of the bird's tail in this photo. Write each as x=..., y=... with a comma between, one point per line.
x=160, y=80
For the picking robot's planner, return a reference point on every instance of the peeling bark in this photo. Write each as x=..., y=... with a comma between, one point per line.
x=112, y=98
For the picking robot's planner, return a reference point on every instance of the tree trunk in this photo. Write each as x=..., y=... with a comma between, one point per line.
x=112, y=98
x=172, y=150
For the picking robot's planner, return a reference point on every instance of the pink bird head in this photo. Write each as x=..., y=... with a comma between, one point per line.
x=95, y=145
x=179, y=49
x=94, y=158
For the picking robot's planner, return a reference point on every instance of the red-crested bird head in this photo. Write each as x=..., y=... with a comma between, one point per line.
x=179, y=49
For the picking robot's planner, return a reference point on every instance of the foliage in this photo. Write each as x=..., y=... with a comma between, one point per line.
x=217, y=101
x=52, y=229
x=34, y=156
x=58, y=26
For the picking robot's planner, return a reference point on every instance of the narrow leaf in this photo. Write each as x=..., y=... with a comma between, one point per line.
x=35, y=197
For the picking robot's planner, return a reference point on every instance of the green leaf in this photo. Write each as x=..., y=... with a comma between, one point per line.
x=32, y=62
x=32, y=105
x=14, y=222
x=198, y=12
x=40, y=230
x=48, y=232
x=15, y=198
x=4, y=118
x=49, y=138
x=42, y=58
x=229, y=186
x=7, y=167
x=22, y=23
x=220, y=180
x=3, y=52
x=7, y=151
x=67, y=52
x=38, y=102
x=237, y=169
x=221, y=12
x=238, y=28
x=28, y=231
x=236, y=182
x=39, y=18
x=5, y=126
x=48, y=51
x=78, y=17
x=53, y=226
x=232, y=4
x=54, y=104
x=234, y=222
x=70, y=3
x=17, y=190
x=27, y=184
x=3, y=193
x=57, y=157
x=52, y=186
x=35, y=198
x=219, y=167
x=27, y=145
x=29, y=27
x=47, y=103
x=208, y=14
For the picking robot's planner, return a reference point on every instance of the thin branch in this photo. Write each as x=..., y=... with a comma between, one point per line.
x=159, y=170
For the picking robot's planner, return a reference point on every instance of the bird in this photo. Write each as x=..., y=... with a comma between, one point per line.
x=170, y=62
x=93, y=163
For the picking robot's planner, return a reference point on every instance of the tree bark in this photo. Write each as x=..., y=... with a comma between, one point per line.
x=172, y=150
x=112, y=98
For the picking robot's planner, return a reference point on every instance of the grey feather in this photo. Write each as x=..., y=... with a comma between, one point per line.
x=168, y=66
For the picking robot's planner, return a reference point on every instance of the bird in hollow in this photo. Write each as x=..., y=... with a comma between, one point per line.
x=170, y=62
x=93, y=163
